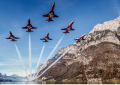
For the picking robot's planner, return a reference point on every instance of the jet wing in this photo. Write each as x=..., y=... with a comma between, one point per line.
x=64, y=29
x=75, y=39
x=46, y=15
x=72, y=29
x=34, y=27
x=25, y=27
x=42, y=39
x=55, y=16
x=8, y=38
x=50, y=39
x=16, y=38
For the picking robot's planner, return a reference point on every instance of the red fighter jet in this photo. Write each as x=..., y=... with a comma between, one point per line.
x=12, y=37
x=81, y=38
x=68, y=28
x=29, y=26
x=50, y=14
x=46, y=38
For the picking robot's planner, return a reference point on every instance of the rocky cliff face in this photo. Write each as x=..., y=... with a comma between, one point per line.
x=97, y=57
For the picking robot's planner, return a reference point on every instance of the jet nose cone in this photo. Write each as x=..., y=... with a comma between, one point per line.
x=28, y=18
x=73, y=20
x=54, y=3
x=77, y=38
x=9, y=31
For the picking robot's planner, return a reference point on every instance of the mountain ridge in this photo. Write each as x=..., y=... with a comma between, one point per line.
x=89, y=59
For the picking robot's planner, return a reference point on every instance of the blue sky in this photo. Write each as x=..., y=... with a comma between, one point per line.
x=14, y=14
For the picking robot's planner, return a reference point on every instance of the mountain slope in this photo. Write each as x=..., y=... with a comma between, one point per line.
x=97, y=57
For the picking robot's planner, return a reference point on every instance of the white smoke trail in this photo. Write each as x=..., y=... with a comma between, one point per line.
x=30, y=62
x=39, y=59
x=50, y=55
x=21, y=60
x=54, y=62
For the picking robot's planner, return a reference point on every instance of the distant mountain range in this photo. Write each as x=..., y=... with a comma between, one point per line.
x=14, y=77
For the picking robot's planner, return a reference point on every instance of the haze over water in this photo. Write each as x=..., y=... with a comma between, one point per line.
x=60, y=83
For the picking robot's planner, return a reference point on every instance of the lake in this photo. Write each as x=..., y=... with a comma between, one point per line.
x=60, y=83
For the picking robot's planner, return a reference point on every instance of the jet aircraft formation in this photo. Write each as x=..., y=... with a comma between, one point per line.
x=50, y=15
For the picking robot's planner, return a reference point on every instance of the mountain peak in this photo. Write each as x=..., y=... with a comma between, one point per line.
x=14, y=75
x=111, y=25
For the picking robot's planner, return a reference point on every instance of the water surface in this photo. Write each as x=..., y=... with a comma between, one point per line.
x=60, y=83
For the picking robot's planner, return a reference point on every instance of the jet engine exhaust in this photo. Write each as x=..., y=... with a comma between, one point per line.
x=30, y=62
x=39, y=59
x=54, y=62
x=50, y=55
x=21, y=60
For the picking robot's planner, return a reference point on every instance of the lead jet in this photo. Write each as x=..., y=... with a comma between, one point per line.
x=46, y=38
x=69, y=28
x=50, y=14
x=29, y=26
x=81, y=38
x=12, y=37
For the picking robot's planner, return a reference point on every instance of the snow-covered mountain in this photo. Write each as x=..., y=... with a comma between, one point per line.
x=13, y=77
